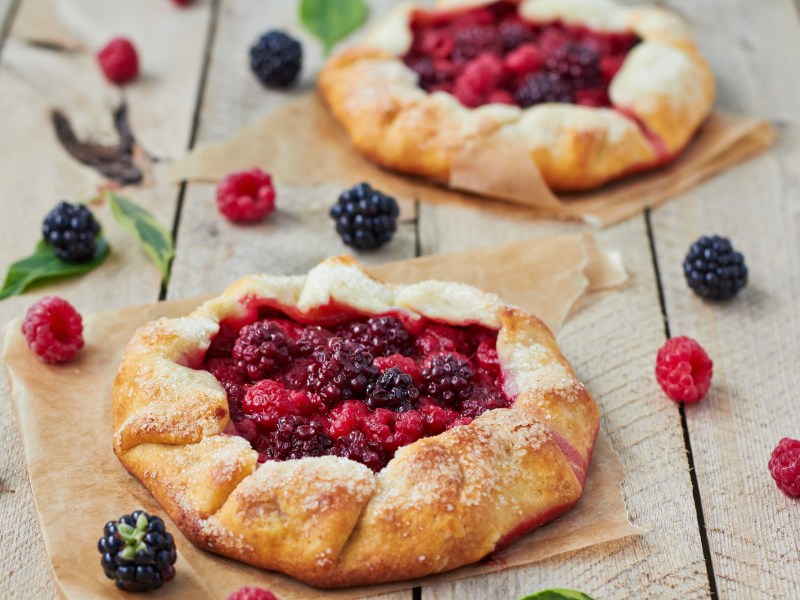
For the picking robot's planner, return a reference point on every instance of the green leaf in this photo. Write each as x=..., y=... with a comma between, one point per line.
x=141, y=522
x=332, y=20
x=557, y=594
x=44, y=265
x=155, y=240
x=128, y=553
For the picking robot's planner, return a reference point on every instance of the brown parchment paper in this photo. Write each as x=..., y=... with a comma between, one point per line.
x=66, y=423
x=302, y=133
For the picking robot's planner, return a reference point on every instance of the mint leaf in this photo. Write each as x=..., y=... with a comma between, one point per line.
x=332, y=20
x=155, y=240
x=557, y=594
x=44, y=265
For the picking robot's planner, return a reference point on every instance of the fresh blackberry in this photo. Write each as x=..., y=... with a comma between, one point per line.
x=447, y=378
x=355, y=446
x=276, y=59
x=365, y=218
x=138, y=553
x=382, y=336
x=311, y=337
x=71, y=229
x=394, y=390
x=261, y=349
x=543, y=87
x=576, y=64
x=341, y=370
x=297, y=437
x=713, y=269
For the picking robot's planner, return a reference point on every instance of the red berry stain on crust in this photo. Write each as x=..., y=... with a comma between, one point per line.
x=683, y=369
x=490, y=55
x=358, y=389
x=119, y=61
x=53, y=330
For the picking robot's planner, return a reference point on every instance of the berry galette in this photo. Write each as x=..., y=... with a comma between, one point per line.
x=345, y=431
x=589, y=90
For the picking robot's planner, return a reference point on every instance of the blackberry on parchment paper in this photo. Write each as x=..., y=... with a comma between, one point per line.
x=138, y=553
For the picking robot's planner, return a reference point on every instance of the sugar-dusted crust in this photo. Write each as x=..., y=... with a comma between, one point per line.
x=661, y=95
x=442, y=502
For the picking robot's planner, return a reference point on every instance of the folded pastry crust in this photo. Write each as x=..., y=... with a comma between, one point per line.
x=442, y=502
x=661, y=95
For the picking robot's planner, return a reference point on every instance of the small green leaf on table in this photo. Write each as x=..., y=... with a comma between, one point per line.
x=332, y=20
x=557, y=594
x=44, y=265
x=155, y=240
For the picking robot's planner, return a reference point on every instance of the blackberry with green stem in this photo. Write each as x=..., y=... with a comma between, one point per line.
x=365, y=218
x=137, y=552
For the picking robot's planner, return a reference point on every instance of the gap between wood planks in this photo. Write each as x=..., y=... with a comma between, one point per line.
x=698, y=503
x=198, y=107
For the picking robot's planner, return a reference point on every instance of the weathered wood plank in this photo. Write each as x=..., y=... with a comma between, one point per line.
x=36, y=172
x=754, y=340
x=213, y=251
x=612, y=344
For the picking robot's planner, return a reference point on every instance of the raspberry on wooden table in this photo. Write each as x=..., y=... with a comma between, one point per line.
x=246, y=196
x=119, y=61
x=784, y=466
x=683, y=369
x=53, y=330
x=252, y=593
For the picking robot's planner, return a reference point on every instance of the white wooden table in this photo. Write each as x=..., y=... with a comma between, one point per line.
x=696, y=480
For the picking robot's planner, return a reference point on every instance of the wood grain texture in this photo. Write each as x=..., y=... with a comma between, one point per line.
x=754, y=340
x=36, y=172
x=611, y=343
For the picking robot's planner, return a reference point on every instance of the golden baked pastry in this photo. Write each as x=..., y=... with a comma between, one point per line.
x=590, y=90
x=346, y=431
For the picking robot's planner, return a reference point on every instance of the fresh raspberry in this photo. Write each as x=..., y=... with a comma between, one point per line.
x=53, y=330
x=500, y=97
x=183, y=3
x=268, y=401
x=525, y=59
x=436, y=418
x=252, y=593
x=478, y=79
x=436, y=43
x=261, y=349
x=394, y=390
x=246, y=196
x=437, y=337
x=392, y=430
x=784, y=466
x=119, y=61
x=346, y=417
x=382, y=336
x=405, y=363
x=341, y=370
x=683, y=369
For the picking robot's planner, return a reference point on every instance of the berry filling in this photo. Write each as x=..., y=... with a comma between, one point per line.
x=490, y=54
x=358, y=389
